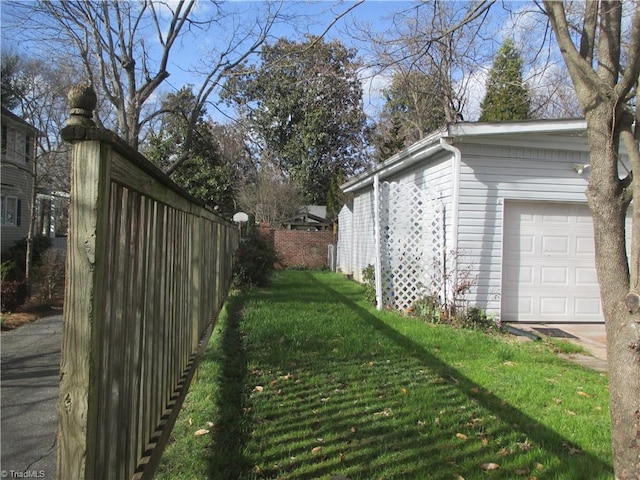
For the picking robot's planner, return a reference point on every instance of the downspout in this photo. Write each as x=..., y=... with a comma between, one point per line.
x=447, y=144
x=377, y=240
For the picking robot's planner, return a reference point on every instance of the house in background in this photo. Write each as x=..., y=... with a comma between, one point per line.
x=18, y=157
x=310, y=218
x=496, y=209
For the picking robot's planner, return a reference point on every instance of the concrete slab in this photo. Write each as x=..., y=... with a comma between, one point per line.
x=590, y=336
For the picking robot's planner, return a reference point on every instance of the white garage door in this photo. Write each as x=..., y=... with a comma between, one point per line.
x=548, y=264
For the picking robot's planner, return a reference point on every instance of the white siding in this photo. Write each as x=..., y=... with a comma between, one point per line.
x=489, y=175
x=345, y=240
x=16, y=183
x=432, y=174
x=363, y=247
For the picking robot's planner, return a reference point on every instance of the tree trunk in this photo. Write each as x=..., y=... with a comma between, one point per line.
x=608, y=202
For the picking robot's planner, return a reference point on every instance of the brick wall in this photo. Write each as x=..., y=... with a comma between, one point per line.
x=298, y=248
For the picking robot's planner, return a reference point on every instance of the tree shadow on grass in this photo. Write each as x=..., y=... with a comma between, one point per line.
x=553, y=443
x=325, y=410
x=230, y=434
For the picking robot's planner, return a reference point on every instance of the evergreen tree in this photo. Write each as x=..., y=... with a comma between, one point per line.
x=205, y=174
x=413, y=108
x=507, y=97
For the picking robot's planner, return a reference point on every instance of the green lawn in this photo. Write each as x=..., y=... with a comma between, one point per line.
x=304, y=380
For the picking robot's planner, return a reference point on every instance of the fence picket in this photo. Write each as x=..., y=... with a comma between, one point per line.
x=147, y=271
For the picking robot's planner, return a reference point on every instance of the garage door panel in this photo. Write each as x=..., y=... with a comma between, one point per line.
x=548, y=263
x=554, y=275
x=554, y=245
x=553, y=305
x=586, y=276
x=587, y=306
x=585, y=246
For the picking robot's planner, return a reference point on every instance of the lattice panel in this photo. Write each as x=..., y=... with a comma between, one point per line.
x=411, y=229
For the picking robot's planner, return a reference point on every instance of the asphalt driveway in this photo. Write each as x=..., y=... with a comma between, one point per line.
x=30, y=364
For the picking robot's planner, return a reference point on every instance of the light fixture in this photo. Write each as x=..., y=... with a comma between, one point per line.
x=580, y=167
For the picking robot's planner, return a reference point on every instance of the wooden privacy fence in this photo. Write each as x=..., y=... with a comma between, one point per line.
x=147, y=271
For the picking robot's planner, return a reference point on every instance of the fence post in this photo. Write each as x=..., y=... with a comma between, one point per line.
x=84, y=299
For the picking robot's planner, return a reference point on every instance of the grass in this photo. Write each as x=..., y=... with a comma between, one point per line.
x=306, y=381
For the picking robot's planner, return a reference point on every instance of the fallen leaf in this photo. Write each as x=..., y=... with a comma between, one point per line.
x=509, y=363
x=458, y=477
x=259, y=388
x=569, y=412
x=210, y=424
x=202, y=431
x=557, y=400
x=490, y=466
x=190, y=422
x=522, y=472
x=315, y=450
x=583, y=394
x=461, y=436
x=485, y=441
x=405, y=391
x=353, y=429
x=539, y=466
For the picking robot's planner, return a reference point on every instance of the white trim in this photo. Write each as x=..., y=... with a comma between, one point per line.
x=430, y=144
x=464, y=129
x=377, y=240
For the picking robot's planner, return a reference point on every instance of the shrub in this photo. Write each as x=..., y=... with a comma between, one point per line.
x=369, y=285
x=50, y=274
x=13, y=294
x=254, y=263
x=18, y=252
x=10, y=271
x=428, y=308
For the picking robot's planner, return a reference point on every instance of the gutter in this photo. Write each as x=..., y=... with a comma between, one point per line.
x=404, y=159
x=447, y=144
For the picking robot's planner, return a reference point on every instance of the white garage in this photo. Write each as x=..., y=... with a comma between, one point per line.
x=507, y=202
x=549, y=270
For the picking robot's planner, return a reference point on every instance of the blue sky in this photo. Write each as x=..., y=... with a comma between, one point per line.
x=377, y=15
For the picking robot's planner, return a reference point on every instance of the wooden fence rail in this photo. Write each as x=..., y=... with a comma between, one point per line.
x=147, y=271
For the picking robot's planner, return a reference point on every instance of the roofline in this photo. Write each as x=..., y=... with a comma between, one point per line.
x=12, y=116
x=520, y=126
x=404, y=158
x=431, y=143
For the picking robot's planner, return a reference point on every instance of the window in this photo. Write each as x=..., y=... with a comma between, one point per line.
x=10, y=214
x=27, y=148
x=4, y=139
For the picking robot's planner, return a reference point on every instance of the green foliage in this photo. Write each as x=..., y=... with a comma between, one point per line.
x=18, y=253
x=205, y=174
x=13, y=87
x=428, y=308
x=13, y=294
x=9, y=270
x=335, y=197
x=369, y=284
x=255, y=260
x=303, y=103
x=413, y=107
x=507, y=96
